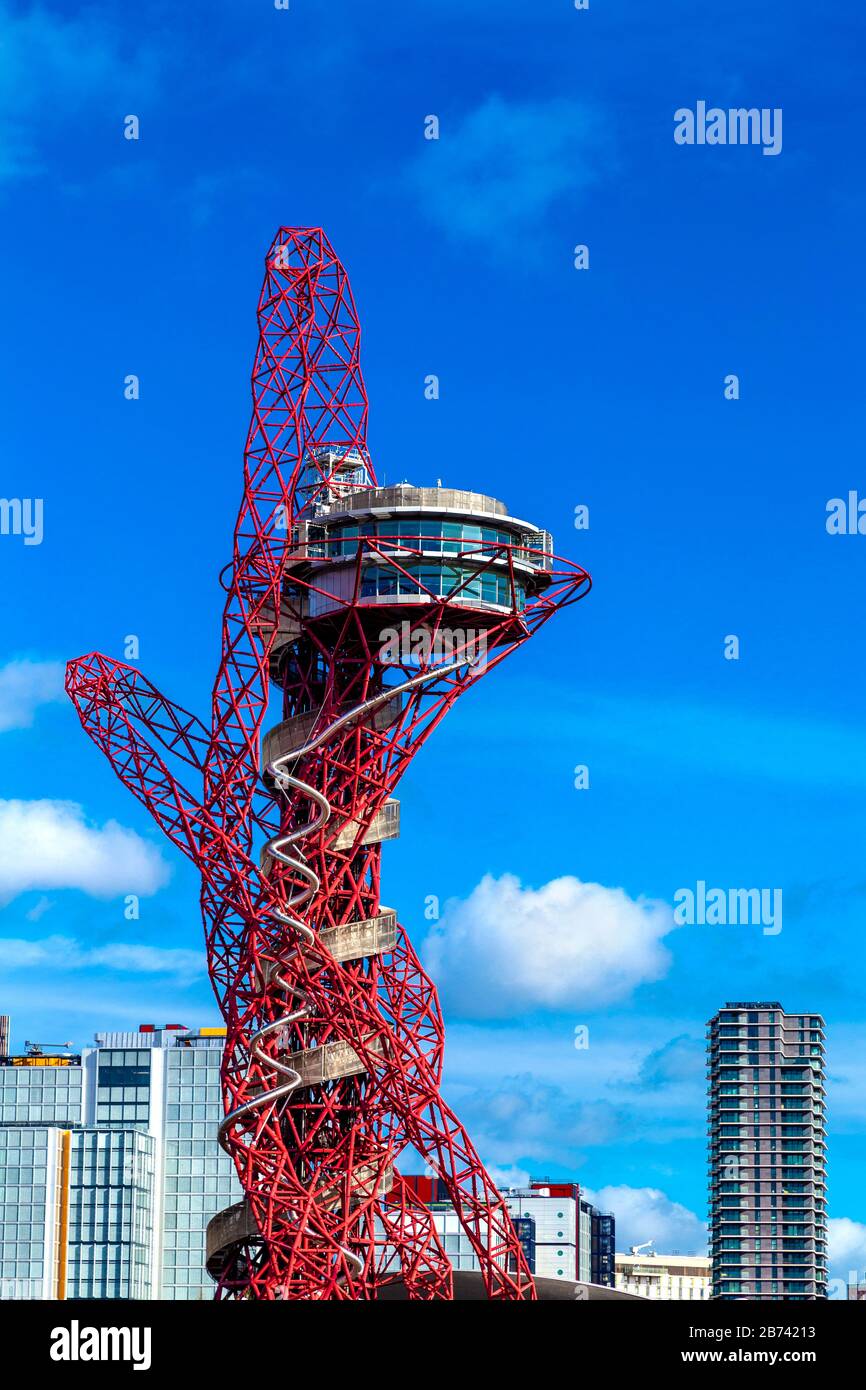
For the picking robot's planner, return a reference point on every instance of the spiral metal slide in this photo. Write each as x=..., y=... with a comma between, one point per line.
x=285, y=782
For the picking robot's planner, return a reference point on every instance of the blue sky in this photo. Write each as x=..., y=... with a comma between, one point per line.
x=558, y=387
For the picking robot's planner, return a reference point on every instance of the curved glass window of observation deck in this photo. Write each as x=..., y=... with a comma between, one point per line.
x=431, y=534
x=384, y=582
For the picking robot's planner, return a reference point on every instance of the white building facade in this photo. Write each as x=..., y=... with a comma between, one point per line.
x=665, y=1276
x=562, y=1234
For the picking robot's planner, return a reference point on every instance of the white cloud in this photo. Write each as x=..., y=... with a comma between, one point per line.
x=49, y=844
x=592, y=1096
x=24, y=686
x=524, y=1119
x=52, y=69
x=59, y=953
x=508, y=1177
x=646, y=1213
x=846, y=1077
x=496, y=174
x=846, y=1249
x=508, y=949
x=679, y=1061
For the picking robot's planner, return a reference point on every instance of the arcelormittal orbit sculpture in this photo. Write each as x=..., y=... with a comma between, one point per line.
x=370, y=609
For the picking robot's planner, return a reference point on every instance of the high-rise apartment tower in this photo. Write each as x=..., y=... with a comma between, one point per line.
x=767, y=1153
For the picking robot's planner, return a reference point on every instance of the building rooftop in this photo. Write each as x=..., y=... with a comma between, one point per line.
x=659, y=1258
x=163, y=1035
x=754, y=1004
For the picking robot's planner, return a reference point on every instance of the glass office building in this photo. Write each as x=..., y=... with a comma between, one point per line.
x=112, y=1215
x=109, y=1167
x=198, y=1178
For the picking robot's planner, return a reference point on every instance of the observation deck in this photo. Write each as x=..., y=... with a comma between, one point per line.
x=388, y=547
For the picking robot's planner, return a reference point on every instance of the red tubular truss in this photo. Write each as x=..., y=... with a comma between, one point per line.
x=334, y=1040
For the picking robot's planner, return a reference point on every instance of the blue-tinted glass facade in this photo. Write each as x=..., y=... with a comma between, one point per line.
x=123, y=1087
x=123, y=1143
x=493, y=586
x=24, y=1155
x=112, y=1214
x=427, y=534
x=199, y=1178
x=41, y=1095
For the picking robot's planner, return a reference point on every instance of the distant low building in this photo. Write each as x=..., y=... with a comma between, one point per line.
x=562, y=1234
x=660, y=1276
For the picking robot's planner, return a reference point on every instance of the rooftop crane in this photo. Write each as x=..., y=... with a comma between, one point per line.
x=37, y=1049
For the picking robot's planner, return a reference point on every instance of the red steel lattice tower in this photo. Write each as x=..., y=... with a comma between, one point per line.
x=369, y=609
